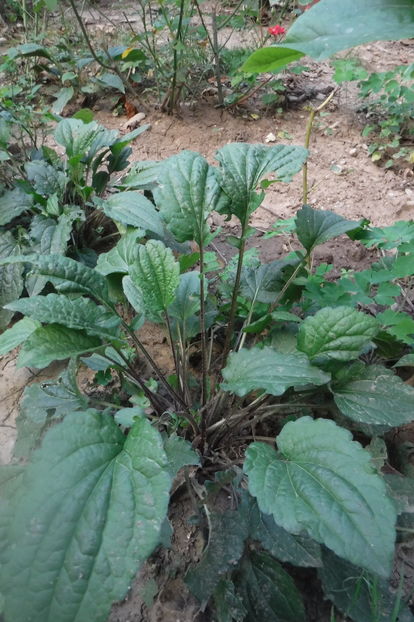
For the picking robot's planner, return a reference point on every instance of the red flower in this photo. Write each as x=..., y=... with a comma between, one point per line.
x=276, y=30
x=308, y=6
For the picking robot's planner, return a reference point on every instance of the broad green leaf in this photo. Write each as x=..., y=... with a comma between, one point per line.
x=286, y=316
x=127, y=416
x=314, y=227
x=179, y=453
x=398, y=323
x=133, y=294
x=401, y=489
x=330, y=27
x=67, y=275
x=258, y=326
x=141, y=176
x=11, y=280
x=63, y=97
x=156, y=273
x=401, y=232
x=12, y=204
x=243, y=165
x=376, y=398
x=352, y=591
x=286, y=547
x=187, y=192
x=187, y=297
x=123, y=141
x=186, y=305
x=54, y=343
x=43, y=405
x=132, y=208
x=267, y=591
x=18, y=333
x=76, y=136
x=264, y=283
x=250, y=370
x=50, y=237
x=270, y=58
x=377, y=447
x=10, y=480
x=225, y=547
x=338, y=333
x=104, y=139
x=284, y=341
x=79, y=313
x=99, y=362
x=45, y=178
x=51, y=4
x=322, y=482
x=405, y=361
x=52, y=206
x=228, y=605
x=31, y=49
x=120, y=258
x=112, y=80
x=91, y=513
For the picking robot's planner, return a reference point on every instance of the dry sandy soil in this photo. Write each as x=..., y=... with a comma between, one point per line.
x=342, y=179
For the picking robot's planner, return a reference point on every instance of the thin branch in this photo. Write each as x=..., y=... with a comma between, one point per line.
x=236, y=286
x=250, y=93
x=111, y=67
x=308, y=133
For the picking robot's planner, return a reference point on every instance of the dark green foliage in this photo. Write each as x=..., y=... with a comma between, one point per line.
x=98, y=468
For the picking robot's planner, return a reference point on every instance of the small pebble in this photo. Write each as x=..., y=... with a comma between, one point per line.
x=270, y=138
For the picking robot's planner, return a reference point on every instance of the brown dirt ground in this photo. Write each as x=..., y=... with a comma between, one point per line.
x=342, y=179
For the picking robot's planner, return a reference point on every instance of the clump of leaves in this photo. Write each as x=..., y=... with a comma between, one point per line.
x=389, y=98
x=51, y=206
x=87, y=507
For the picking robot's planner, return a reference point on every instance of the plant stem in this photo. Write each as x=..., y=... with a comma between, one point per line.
x=174, y=353
x=111, y=67
x=214, y=48
x=280, y=295
x=154, y=366
x=308, y=133
x=153, y=398
x=188, y=415
x=24, y=16
x=217, y=68
x=233, y=307
x=104, y=403
x=230, y=17
x=204, y=370
x=284, y=9
x=172, y=99
x=250, y=93
x=147, y=356
x=183, y=361
x=242, y=335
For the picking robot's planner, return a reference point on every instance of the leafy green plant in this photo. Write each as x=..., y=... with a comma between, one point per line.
x=389, y=98
x=387, y=285
x=327, y=28
x=70, y=74
x=387, y=102
x=81, y=516
x=52, y=203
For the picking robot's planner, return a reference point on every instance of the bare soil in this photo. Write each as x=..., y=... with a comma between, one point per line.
x=342, y=179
